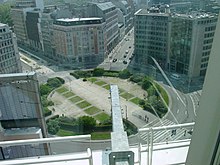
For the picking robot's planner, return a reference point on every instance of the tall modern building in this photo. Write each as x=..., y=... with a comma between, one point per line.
x=19, y=14
x=9, y=56
x=152, y=35
x=191, y=42
x=108, y=12
x=79, y=42
x=179, y=42
x=21, y=115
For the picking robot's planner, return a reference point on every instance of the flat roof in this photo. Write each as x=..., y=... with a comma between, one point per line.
x=78, y=21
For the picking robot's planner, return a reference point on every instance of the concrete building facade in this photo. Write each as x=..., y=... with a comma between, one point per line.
x=191, y=42
x=108, y=12
x=79, y=42
x=152, y=34
x=9, y=56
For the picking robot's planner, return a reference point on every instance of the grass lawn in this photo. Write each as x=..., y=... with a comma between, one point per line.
x=92, y=110
x=135, y=100
x=102, y=117
x=163, y=93
x=107, y=87
x=62, y=132
x=100, y=135
x=127, y=95
x=92, y=79
x=83, y=104
x=62, y=89
x=75, y=99
x=68, y=94
x=100, y=83
x=121, y=91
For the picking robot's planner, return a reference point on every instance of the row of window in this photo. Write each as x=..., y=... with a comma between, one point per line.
x=207, y=21
x=5, y=43
x=208, y=41
x=204, y=65
x=211, y=28
x=6, y=49
x=209, y=35
x=208, y=47
x=206, y=53
x=206, y=59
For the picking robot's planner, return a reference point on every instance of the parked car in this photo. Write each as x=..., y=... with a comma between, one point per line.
x=114, y=60
x=125, y=62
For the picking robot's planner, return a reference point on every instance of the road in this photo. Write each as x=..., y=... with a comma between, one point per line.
x=119, y=53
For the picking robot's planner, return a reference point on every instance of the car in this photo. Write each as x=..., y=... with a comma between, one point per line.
x=114, y=60
x=125, y=56
x=125, y=62
x=126, y=52
x=129, y=46
x=175, y=76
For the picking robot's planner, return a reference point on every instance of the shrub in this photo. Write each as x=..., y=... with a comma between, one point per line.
x=46, y=111
x=125, y=74
x=45, y=89
x=75, y=75
x=136, y=78
x=53, y=126
x=54, y=82
x=98, y=72
x=146, y=83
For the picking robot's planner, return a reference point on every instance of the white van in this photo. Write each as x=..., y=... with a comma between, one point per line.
x=175, y=76
x=126, y=52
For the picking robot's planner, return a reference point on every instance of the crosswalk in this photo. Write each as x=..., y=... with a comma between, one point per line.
x=165, y=135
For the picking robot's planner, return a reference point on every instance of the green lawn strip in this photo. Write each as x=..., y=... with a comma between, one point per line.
x=100, y=83
x=62, y=90
x=100, y=135
x=106, y=87
x=163, y=93
x=102, y=117
x=135, y=100
x=83, y=104
x=62, y=132
x=92, y=79
x=121, y=91
x=92, y=110
x=127, y=95
x=75, y=99
x=68, y=94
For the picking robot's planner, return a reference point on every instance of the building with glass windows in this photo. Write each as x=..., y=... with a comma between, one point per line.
x=152, y=35
x=9, y=56
x=191, y=42
x=79, y=42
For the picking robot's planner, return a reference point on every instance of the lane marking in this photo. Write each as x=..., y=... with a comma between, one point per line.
x=178, y=110
x=194, y=107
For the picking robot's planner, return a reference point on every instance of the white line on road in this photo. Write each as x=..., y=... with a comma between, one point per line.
x=185, y=112
x=194, y=108
x=178, y=110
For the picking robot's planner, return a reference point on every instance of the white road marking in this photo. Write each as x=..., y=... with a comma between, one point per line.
x=194, y=108
x=178, y=110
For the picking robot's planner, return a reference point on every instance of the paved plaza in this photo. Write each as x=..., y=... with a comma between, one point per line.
x=99, y=97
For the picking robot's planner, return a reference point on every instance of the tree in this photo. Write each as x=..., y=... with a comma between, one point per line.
x=53, y=126
x=54, y=82
x=98, y=72
x=136, y=78
x=146, y=83
x=87, y=123
x=141, y=102
x=124, y=74
x=45, y=89
x=151, y=91
x=5, y=14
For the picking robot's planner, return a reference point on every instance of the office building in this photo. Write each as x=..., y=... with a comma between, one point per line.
x=19, y=13
x=48, y=16
x=179, y=42
x=108, y=12
x=21, y=115
x=152, y=34
x=79, y=42
x=191, y=42
x=9, y=56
